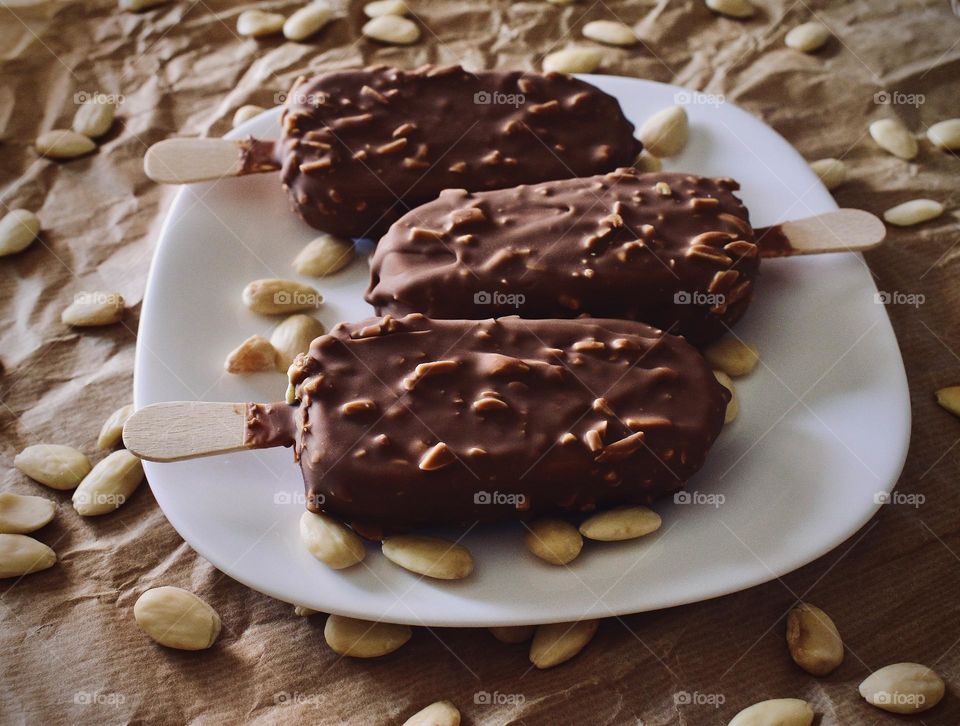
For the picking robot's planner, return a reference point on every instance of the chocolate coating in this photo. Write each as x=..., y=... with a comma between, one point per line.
x=669, y=249
x=359, y=147
x=410, y=423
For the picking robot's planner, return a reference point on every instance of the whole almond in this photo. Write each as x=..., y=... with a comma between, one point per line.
x=93, y=309
x=441, y=713
x=18, y=229
x=392, y=29
x=647, y=162
x=732, y=356
x=363, y=639
x=273, y=296
x=94, y=118
x=245, y=113
x=813, y=640
x=385, y=7
x=913, y=212
x=732, y=8
x=666, y=132
x=558, y=642
x=324, y=256
x=775, y=712
x=333, y=543
x=59, y=467
x=109, y=485
x=610, y=32
x=254, y=355
x=294, y=336
x=21, y=555
x=21, y=514
x=307, y=20
x=949, y=398
x=429, y=556
x=945, y=134
x=621, y=523
x=573, y=60
x=808, y=38
x=832, y=172
x=894, y=137
x=903, y=688
x=553, y=540
x=63, y=144
x=733, y=405
x=257, y=23
x=177, y=618
x=112, y=429
x=302, y=612
x=512, y=634
x=137, y=5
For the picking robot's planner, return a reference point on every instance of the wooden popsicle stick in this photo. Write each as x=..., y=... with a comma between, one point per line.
x=182, y=161
x=845, y=230
x=181, y=430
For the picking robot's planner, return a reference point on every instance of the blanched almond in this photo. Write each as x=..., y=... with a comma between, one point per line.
x=302, y=612
x=245, y=113
x=18, y=229
x=903, y=688
x=558, y=642
x=63, y=144
x=949, y=398
x=609, y=32
x=324, y=256
x=257, y=23
x=808, y=37
x=732, y=8
x=733, y=406
x=553, y=540
x=93, y=309
x=732, y=356
x=512, y=634
x=666, y=132
x=945, y=134
x=307, y=20
x=21, y=514
x=913, y=212
x=775, y=712
x=254, y=355
x=272, y=296
x=813, y=640
x=294, y=336
x=59, y=467
x=893, y=136
x=621, y=523
x=573, y=60
x=330, y=541
x=392, y=29
x=385, y=7
x=94, y=118
x=21, y=555
x=441, y=713
x=647, y=162
x=363, y=639
x=112, y=428
x=177, y=618
x=832, y=172
x=430, y=556
x=109, y=485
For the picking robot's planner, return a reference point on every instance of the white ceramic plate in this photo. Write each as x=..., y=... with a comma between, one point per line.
x=823, y=427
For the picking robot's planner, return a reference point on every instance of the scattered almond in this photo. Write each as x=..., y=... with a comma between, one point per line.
x=257, y=23
x=112, y=429
x=573, y=60
x=429, y=556
x=512, y=634
x=94, y=118
x=945, y=134
x=832, y=172
x=21, y=514
x=609, y=32
x=385, y=7
x=302, y=612
x=245, y=113
x=733, y=406
x=775, y=712
x=177, y=618
x=894, y=137
x=813, y=640
x=272, y=296
x=307, y=20
x=913, y=212
x=392, y=29
x=294, y=336
x=666, y=132
x=903, y=688
x=647, y=162
x=324, y=256
x=109, y=485
x=363, y=639
x=63, y=144
x=21, y=555
x=330, y=541
x=949, y=398
x=254, y=355
x=557, y=643
x=441, y=713
x=732, y=8
x=553, y=540
x=18, y=229
x=732, y=356
x=620, y=523
x=93, y=309
x=59, y=467
x=808, y=38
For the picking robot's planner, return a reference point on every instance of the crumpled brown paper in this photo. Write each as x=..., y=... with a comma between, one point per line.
x=71, y=652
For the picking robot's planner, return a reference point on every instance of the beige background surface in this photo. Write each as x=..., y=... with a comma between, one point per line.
x=69, y=649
